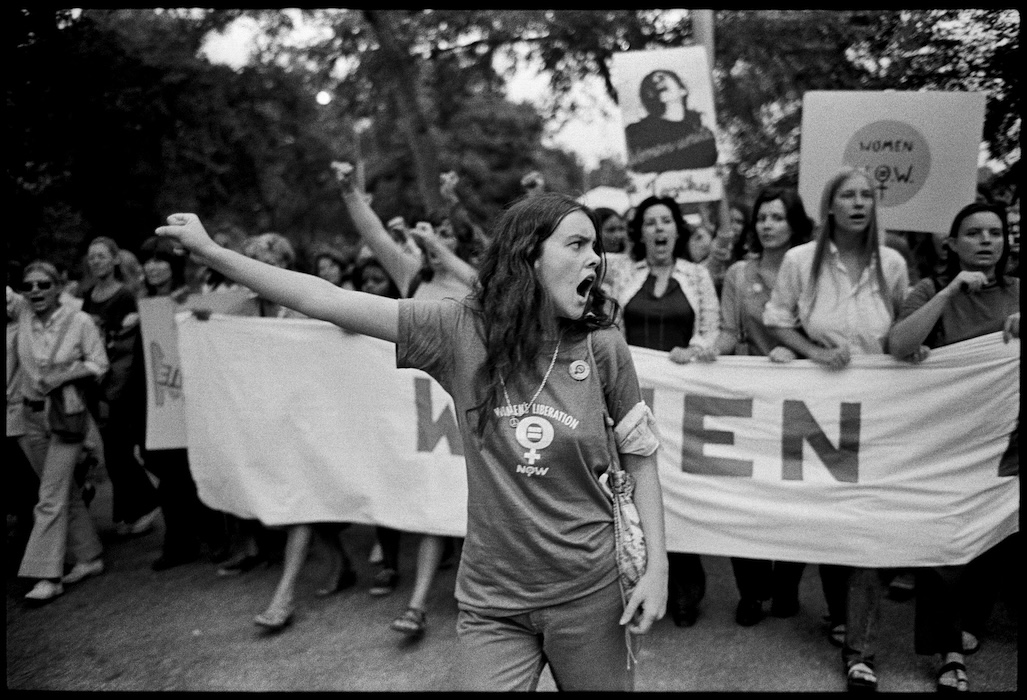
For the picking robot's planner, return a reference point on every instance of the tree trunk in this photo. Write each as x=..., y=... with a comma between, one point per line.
x=417, y=127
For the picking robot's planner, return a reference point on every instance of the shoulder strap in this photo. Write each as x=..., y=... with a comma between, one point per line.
x=607, y=420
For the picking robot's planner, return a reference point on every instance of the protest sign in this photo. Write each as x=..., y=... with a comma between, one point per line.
x=920, y=148
x=666, y=103
x=165, y=419
x=883, y=464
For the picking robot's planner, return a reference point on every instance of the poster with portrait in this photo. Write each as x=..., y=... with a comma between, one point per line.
x=666, y=104
x=920, y=148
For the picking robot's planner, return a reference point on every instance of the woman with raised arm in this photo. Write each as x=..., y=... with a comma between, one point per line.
x=973, y=297
x=843, y=291
x=442, y=273
x=538, y=579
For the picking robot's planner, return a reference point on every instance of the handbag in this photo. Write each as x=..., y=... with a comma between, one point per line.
x=629, y=538
x=67, y=414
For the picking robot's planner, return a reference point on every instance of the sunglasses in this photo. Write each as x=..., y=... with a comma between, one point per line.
x=41, y=285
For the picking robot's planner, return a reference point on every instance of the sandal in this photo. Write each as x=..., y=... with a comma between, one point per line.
x=275, y=619
x=962, y=684
x=861, y=677
x=413, y=622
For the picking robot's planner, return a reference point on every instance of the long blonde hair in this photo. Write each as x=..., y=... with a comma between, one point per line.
x=871, y=243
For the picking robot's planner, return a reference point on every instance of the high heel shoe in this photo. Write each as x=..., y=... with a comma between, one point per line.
x=275, y=619
x=346, y=579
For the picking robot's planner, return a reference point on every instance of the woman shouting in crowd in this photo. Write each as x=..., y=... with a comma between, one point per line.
x=538, y=579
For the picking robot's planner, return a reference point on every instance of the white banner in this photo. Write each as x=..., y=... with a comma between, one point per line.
x=882, y=464
x=165, y=424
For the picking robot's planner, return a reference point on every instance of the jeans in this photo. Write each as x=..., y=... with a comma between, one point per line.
x=581, y=640
x=863, y=615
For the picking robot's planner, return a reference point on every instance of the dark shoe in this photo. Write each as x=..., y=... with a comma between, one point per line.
x=962, y=684
x=684, y=614
x=860, y=677
x=169, y=560
x=240, y=565
x=412, y=623
x=274, y=620
x=384, y=582
x=749, y=612
x=784, y=608
x=346, y=579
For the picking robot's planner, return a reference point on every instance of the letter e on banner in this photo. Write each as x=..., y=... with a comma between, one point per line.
x=693, y=459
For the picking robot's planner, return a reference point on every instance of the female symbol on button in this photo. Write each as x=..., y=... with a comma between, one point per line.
x=579, y=370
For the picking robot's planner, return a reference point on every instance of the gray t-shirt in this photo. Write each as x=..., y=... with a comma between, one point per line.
x=539, y=524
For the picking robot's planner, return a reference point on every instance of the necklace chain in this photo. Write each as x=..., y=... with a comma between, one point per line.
x=552, y=363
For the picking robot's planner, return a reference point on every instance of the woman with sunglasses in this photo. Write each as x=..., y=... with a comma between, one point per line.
x=57, y=347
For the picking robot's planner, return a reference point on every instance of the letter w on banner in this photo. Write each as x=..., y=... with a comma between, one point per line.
x=882, y=464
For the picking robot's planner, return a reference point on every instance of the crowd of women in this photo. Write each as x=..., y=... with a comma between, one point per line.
x=486, y=315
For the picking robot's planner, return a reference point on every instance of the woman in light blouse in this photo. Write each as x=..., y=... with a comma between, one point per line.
x=56, y=345
x=843, y=290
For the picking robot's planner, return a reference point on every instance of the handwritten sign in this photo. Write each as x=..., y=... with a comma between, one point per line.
x=165, y=413
x=920, y=148
x=666, y=102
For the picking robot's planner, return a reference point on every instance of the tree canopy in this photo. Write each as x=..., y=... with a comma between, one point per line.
x=115, y=118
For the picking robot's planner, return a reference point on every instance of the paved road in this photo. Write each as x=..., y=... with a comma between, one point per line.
x=188, y=630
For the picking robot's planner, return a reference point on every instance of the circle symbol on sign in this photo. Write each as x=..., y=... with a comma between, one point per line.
x=896, y=155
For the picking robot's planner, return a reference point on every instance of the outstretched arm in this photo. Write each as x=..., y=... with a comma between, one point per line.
x=400, y=265
x=312, y=296
x=429, y=240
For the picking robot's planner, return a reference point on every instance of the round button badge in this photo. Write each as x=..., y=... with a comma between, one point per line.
x=579, y=370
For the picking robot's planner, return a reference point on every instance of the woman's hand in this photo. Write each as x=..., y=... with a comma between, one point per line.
x=1011, y=328
x=648, y=602
x=919, y=355
x=189, y=233
x=447, y=186
x=344, y=174
x=967, y=281
x=424, y=234
x=683, y=356
x=781, y=354
x=707, y=354
x=832, y=358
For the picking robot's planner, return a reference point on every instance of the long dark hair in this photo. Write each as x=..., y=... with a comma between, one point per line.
x=953, y=266
x=635, y=228
x=516, y=312
x=795, y=214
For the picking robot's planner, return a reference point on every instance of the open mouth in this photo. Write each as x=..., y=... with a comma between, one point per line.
x=585, y=286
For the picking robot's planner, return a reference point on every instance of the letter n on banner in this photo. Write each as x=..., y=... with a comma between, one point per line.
x=800, y=425
x=429, y=430
x=693, y=460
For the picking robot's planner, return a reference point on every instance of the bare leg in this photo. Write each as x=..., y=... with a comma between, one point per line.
x=296, y=548
x=429, y=555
